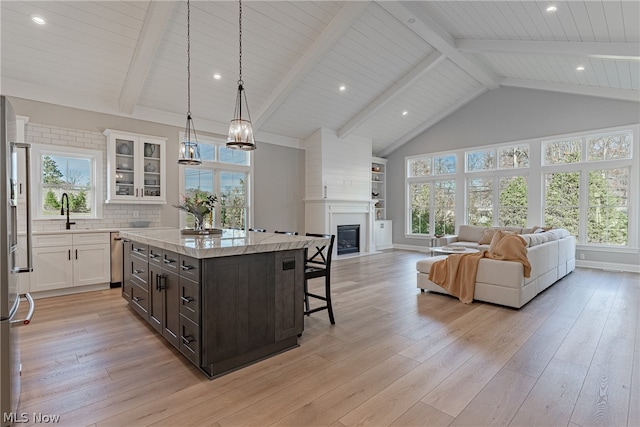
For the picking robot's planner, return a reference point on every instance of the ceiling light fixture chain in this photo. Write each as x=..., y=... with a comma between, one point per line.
x=189, y=149
x=240, y=129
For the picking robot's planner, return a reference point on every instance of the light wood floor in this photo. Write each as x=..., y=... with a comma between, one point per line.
x=571, y=357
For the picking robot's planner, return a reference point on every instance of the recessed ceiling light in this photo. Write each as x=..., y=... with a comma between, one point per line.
x=579, y=68
x=552, y=9
x=217, y=76
x=411, y=20
x=38, y=19
x=404, y=113
x=343, y=88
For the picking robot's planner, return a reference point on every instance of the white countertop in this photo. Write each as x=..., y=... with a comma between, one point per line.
x=231, y=242
x=93, y=230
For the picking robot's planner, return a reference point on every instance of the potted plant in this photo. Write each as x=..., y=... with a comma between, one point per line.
x=200, y=204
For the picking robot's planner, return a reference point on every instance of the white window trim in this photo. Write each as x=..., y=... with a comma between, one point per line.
x=218, y=167
x=535, y=182
x=97, y=177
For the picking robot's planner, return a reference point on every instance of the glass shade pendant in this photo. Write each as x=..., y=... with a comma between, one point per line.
x=189, y=150
x=240, y=129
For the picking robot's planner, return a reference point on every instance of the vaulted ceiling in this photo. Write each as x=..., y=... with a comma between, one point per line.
x=404, y=65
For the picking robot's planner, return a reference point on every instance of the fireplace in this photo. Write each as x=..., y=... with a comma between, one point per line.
x=348, y=239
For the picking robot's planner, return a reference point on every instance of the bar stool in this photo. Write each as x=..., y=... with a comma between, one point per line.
x=288, y=233
x=258, y=230
x=319, y=265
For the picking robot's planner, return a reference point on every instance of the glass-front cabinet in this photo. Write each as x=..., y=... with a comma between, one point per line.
x=135, y=168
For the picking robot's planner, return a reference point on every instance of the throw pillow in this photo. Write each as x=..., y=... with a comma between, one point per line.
x=487, y=235
x=499, y=235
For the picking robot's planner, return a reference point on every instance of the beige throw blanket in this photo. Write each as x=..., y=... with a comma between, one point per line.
x=457, y=273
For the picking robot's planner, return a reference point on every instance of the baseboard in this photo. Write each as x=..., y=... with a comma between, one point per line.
x=69, y=291
x=611, y=266
x=413, y=248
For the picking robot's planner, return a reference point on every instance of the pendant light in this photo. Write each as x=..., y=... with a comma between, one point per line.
x=240, y=129
x=189, y=150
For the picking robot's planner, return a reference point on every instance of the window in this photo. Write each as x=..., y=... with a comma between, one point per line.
x=608, y=208
x=513, y=157
x=445, y=206
x=589, y=195
x=609, y=147
x=431, y=199
x=512, y=211
x=480, y=201
x=561, y=205
x=59, y=170
x=225, y=173
x=420, y=196
x=481, y=160
x=560, y=152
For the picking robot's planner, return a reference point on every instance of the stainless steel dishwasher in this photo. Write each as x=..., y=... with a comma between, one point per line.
x=116, y=260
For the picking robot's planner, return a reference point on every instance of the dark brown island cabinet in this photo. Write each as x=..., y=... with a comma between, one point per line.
x=221, y=313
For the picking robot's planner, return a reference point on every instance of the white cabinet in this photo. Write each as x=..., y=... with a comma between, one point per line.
x=383, y=234
x=378, y=186
x=67, y=260
x=135, y=168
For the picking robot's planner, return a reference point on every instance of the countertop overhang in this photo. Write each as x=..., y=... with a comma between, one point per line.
x=231, y=242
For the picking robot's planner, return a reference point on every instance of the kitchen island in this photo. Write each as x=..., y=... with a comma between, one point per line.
x=224, y=301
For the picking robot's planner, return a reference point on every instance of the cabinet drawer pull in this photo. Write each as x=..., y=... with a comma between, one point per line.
x=76, y=254
x=135, y=271
x=187, y=267
x=153, y=256
x=137, y=299
x=188, y=339
x=69, y=254
x=138, y=249
x=187, y=299
x=168, y=261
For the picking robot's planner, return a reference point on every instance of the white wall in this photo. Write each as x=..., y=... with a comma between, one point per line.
x=279, y=171
x=338, y=169
x=506, y=115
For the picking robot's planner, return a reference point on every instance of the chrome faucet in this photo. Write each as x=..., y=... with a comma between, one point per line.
x=68, y=224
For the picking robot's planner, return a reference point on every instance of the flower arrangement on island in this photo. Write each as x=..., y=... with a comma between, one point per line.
x=200, y=204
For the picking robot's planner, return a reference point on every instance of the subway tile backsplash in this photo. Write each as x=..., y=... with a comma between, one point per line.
x=115, y=216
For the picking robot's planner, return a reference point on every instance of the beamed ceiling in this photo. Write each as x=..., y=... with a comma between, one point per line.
x=425, y=59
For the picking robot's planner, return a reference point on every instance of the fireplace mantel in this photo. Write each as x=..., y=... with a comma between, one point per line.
x=324, y=216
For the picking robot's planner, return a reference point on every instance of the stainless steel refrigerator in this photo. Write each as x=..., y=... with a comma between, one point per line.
x=9, y=269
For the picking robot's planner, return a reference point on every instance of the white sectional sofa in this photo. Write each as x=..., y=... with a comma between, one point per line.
x=551, y=254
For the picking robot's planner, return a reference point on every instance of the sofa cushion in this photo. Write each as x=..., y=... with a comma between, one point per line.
x=497, y=236
x=424, y=265
x=470, y=233
x=487, y=235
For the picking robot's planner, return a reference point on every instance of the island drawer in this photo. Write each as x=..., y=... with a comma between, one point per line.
x=190, y=300
x=190, y=267
x=139, y=271
x=140, y=300
x=170, y=261
x=190, y=340
x=155, y=255
x=139, y=250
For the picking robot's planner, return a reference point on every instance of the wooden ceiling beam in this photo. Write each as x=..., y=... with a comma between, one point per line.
x=601, y=92
x=416, y=73
x=432, y=121
x=617, y=51
x=338, y=25
x=414, y=16
x=153, y=28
